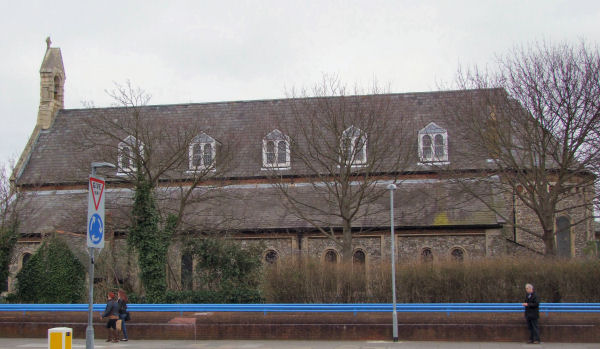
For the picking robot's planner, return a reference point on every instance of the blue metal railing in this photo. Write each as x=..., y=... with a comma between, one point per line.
x=311, y=308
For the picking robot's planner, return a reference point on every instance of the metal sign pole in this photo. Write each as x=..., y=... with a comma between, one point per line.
x=95, y=237
x=392, y=187
x=89, y=331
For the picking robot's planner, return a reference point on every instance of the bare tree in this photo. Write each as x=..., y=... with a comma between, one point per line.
x=8, y=232
x=165, y=160
x=342, y=146
x=160, y=149
x=14, y=205
x=536, y=118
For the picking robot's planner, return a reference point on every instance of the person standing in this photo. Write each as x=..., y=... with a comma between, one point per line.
x=123, y=313
x=532, y=314
x=112, y=313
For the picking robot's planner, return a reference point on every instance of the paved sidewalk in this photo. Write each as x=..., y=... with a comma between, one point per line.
x=16, y=343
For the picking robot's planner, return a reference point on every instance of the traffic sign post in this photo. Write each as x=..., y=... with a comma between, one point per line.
x=95, y=237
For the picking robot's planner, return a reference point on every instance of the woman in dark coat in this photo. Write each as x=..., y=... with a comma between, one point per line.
x=532, y=314
x=123, y=313
x=112, y=313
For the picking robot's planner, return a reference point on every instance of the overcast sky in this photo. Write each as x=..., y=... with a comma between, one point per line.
x=199, y=51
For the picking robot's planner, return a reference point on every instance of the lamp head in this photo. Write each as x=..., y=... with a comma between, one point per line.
x=103, y=164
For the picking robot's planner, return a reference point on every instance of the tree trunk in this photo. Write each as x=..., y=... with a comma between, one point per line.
x=347, y=243
x=549, y=243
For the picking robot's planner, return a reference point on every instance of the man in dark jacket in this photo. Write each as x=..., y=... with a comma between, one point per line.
x=532, y=314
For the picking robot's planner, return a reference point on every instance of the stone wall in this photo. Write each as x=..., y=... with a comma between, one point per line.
x=572, y=207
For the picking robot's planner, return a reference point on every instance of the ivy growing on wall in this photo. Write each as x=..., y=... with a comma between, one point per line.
x=52, y=275
x=8, y=239
x=230, y=272
x=150, y=237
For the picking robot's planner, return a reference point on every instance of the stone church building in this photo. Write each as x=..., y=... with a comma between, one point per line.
x=241, y=148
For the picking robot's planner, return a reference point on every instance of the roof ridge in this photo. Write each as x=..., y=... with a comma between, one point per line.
x=271, y=100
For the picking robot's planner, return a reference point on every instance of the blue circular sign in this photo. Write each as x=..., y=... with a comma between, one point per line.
x=96, y=229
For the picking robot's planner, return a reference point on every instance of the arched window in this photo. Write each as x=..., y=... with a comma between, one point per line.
x=276, y=151
x=202, y=153
x=282, y=152
x=439, y=147
x=25, y=259
x=426, y=255
x=426, y=146
x=56, y=87
x=127, y=157
x=208, y=156
x=187, y=271
x=271, y=257
x=331, y=256
x=354, y=147
x=271, y=152
x=196, y=155
x=359, y=257
x=563, y=236
x=457, y=254
x=433, y=144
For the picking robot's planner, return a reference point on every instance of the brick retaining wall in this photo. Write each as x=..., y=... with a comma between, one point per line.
x=554, y=327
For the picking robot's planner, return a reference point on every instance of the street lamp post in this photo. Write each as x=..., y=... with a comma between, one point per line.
x=391, y=188
x=89, y=331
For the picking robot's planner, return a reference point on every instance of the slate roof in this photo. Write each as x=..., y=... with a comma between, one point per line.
x=63, y=153
x=418, y=204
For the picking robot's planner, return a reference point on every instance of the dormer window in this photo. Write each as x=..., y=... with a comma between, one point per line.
x=276, y=151
x=433, y=144
x=202, y=153
x=126, y=161
x=354, y=147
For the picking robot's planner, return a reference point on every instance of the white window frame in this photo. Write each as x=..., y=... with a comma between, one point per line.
x=352, y=134
x=203, y=140
x=432, y=130
x=276, y=137
x=129, y=141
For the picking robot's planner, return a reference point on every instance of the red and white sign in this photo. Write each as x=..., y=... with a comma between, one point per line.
x=97, y=189
x=95, y=222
